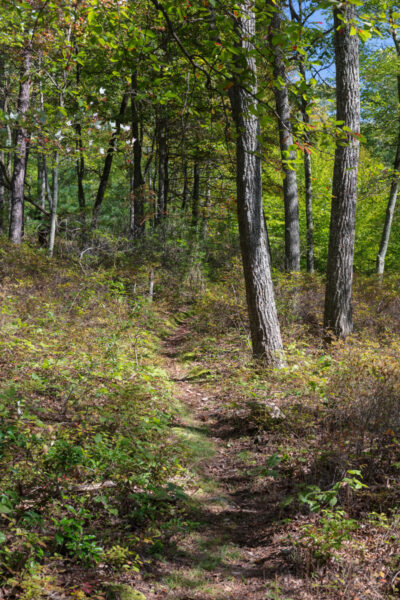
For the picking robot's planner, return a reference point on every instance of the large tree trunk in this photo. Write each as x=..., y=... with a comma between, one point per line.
x=338, y=309
x=264, y=326
x=290, y=196
x=108, y=162
x=21, y=150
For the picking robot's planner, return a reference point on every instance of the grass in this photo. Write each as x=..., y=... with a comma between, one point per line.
x=112, y=465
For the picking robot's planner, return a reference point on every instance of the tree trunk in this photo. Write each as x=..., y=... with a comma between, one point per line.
x=163, y=184
x=394, y=188
x=108, y=163
x=41, y=182
x=307, y=180
x=2, y=182
x=54, y=205
x=136, y=227
x=338, y=310
x=80, y=171
x=196, y=194
x=206, y=208
x=290, y=196
x=21, y=149
x=185, y=190
x=264, y=326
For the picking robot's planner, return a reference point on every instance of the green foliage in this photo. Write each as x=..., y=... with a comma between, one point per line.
x=326, y=536
x=85, y=420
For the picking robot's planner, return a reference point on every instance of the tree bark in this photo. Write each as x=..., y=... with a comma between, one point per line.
x=163, y=183
x=185, y=190
x=21, y=150
x=80, y=166
x=264, y=326
x=307, y=180
x=108, y=163
x=394, y=186
x=338, y=309
x=290, y=196
x=54, y=205
x=196, y=194
x=136, y=226
x=2, y=107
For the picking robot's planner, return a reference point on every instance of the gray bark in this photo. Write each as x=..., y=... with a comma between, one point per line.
x=41, y=181
x=136, y=222
x=54, y=205
x=338, y=309
x=394, y=187
x=163, y=183
x=185, y=190
x=264, y=326
x=2, y=107
x=308, y=181
x=21, y=149
x=290, y=196
x=80, y=166
x=196, y=194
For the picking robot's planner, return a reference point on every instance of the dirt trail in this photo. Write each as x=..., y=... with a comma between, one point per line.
x=230, y=553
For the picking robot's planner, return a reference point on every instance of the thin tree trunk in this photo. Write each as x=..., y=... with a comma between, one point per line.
x=108, y=163
x=21, y=150
x=338, y=309
x=206, y=208
x=2, y=107
x=394, y=187
x=80, y=171
x=185, y=190
x=41, y=182
x=136, y=227
x=264, y=326
x=54, y=205
x=196, y=194
x=308, y=181
x=163, y=183
x=290, y=196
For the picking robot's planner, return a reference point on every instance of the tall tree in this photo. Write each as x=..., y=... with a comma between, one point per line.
x=290, y=196
x=338, y=308
x=21, y=148
x=394, y=186
x=264, y=326
x=136, y=226
x=108, y=162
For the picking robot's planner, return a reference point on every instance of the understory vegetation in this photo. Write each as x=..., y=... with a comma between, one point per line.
x=104, y=484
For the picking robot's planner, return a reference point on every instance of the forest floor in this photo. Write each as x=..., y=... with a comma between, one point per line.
x=241, y=543
x=144, y=451
x=230, y=553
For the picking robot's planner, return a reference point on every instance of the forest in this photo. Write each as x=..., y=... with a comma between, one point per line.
x=199, y=300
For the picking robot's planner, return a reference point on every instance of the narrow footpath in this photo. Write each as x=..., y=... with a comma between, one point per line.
x=229, y=552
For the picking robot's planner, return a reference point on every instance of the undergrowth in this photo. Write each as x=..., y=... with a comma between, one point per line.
x=86, y=453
